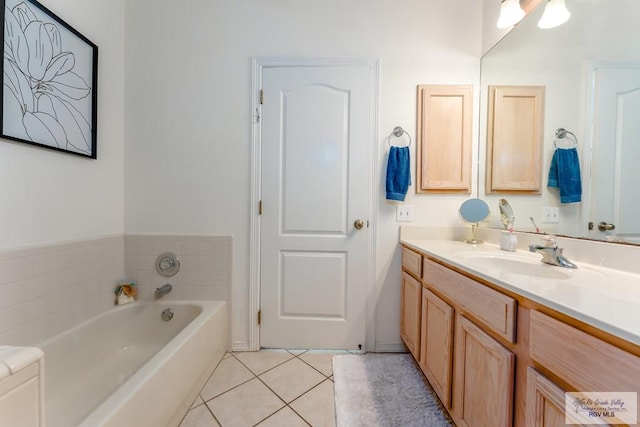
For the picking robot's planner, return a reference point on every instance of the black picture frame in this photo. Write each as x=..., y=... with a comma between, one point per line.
x=50, y=81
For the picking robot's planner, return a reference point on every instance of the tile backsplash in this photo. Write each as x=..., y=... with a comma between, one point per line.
x=47, y=289
x=205, y=266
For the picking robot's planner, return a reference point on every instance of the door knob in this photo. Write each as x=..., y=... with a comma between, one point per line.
x=605, y=226
x=358, y=224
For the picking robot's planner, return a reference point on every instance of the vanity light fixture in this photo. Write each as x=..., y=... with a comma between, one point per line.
x=555, y=13
x=510, y=13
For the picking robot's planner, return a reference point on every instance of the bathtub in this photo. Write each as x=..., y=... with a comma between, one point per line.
x=129, y=367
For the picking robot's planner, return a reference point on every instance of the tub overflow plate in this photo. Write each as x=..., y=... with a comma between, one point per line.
x=167, y=314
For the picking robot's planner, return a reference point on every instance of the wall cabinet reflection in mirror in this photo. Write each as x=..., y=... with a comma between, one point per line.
x=590, y=68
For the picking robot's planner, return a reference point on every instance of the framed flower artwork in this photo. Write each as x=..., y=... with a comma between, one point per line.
x=50, y=75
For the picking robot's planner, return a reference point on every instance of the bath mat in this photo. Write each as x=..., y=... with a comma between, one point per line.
x=384, y=390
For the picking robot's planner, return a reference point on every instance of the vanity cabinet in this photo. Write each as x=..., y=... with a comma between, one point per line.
x=468, y=364
x=545, y=401
x=483, y=378
x=559, y=349
x=436, y=344
x=411, y=309
x=410, y=301
x=497, y=358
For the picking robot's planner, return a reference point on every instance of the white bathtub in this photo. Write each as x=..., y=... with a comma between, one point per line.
x=128, y=367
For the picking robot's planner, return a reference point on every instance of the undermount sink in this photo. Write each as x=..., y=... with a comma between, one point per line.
x=516, y=266
x=513, y=264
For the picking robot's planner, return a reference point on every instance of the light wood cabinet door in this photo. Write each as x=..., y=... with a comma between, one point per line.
x=545, y=401
x=514, y=139
x=483, y=378
x=445, y=114
x=410, y=307
x=436, y=344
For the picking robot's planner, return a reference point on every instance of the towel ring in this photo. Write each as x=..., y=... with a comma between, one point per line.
x=398, y=132
x=562, y=133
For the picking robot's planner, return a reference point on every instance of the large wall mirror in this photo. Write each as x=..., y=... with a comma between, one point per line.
x=590, y=68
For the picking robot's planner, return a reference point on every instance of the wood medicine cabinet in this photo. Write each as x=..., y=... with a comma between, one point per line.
x=444, y=138
x=515, y=125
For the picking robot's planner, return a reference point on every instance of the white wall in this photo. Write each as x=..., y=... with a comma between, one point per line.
x=48, y=196
x=490, y=33
x=188, y=118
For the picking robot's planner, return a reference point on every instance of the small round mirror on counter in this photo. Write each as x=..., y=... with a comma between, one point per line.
x=474, y=211
x=167, y=264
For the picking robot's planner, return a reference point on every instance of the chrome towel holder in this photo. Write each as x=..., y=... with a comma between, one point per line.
x=562, y=133
x=398, y=132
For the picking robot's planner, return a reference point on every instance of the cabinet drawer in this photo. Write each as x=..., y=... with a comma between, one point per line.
x=493, y=309
x=585, y=362
x=412, y=262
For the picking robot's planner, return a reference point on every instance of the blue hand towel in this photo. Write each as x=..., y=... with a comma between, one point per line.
x=564, y=174
x=398, y=173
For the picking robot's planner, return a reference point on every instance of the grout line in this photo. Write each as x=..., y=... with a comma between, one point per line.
x=300, y=415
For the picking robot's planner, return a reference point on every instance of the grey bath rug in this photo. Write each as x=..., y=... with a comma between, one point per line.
x=386, y=390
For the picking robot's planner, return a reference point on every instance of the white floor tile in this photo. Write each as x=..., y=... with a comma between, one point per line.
x=238, y=398
x=291, y=379
x=317, y=406
x=261, y=361
x=199, y=417
x=321, y=360
x=229, y=373
x=245, y=405
x=284, y=418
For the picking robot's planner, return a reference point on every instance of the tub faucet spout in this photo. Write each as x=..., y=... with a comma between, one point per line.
x=163, y=290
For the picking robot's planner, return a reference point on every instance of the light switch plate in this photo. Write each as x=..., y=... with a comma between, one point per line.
x=404, y=213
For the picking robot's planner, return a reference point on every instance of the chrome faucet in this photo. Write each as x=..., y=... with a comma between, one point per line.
x=163, y=290
x=552, y=255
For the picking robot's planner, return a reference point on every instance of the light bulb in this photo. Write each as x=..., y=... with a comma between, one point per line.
x=555, y=13
x=510, y=14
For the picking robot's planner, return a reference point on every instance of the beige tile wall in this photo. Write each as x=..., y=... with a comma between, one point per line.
x=47, y=289
x=205, y=266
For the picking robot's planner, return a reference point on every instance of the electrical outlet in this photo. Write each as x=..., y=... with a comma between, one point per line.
x=550, y=215
x=404, y=213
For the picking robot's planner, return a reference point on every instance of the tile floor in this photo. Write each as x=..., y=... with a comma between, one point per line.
x=267, y=388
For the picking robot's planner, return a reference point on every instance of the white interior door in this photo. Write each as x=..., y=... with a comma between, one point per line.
x=317, y=139
x=616, y=176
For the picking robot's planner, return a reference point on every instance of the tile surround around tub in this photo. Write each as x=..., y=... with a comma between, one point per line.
x=205, y=266
x=47, y=289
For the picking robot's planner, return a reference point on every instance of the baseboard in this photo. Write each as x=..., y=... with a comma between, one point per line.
x=390, y=348
x=240, y=346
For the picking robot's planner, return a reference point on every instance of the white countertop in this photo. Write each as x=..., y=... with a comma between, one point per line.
x=605, y=298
